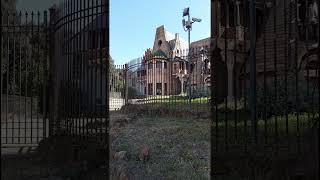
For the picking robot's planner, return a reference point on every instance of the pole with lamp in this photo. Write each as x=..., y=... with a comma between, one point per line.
x=187, y=26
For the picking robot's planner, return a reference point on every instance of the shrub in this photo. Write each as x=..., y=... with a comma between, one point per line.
x=271, y=101
x=200, y=91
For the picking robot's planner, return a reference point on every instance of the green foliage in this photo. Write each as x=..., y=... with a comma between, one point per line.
x=200, y=91
x=24, y=66
x=287, y=97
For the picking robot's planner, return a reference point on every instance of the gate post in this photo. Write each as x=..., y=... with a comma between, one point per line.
x=126, y=83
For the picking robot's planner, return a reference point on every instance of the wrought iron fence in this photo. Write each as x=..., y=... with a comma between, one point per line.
x=24, y=68
x=272, y=106
x=162, y=81
x=116, y=87
x=79, y=70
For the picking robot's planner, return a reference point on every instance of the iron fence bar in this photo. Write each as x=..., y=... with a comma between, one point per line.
x=38, y=69
x=290, y=33
x=264, y=79
x=8, y=74
x=66, y=58
x=102, y=45
x=74, y=73
x=77, y=71
x=87, y=70
x=275, y=58
x=105, y=5
x=226, y=15
x=296, y=77
x=91, y=66
x=307, y=40
x=62, y=51
x=32, y=76
x=45, y=74
x=19, y=113
x=245, y=9
x=318, y=77
x=13, y=83
x=1, y=64
x=69, y=69
x=79, y=68
x=96, y=68
x=234, y=95
x=82, y=71
x=70, y=43
x=26, y=83
x=253, y=68
x=286, y=70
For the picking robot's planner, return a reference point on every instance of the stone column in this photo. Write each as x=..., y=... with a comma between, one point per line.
x=230, y=66
x=182, y=85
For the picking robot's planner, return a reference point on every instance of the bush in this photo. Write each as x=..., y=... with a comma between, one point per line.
x=200, y=91
x=278, y=101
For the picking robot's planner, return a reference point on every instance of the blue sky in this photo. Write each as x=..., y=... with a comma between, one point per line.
x=133, y=24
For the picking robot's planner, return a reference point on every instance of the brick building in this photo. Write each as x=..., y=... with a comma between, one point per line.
x=284, y=38
x=163, y=70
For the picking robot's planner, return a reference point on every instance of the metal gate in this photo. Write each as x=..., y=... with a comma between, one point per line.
x=270, y=113
x=79, y=70
x=24, y=75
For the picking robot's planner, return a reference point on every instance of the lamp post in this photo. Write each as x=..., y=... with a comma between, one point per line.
x=187, y=26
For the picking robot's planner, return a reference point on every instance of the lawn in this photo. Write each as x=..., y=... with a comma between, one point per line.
x=180, y=140
x=179, y=147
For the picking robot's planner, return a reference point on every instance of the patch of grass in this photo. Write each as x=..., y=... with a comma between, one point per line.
x=179, y=147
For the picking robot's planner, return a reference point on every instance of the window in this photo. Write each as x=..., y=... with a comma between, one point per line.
x=192, y=67
x=165, y=89
x=158, y=64
x=150, y=89
x=159, y=43
x=159, y=89
x=175, y=68
x=165, y=65
x=181, y=66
